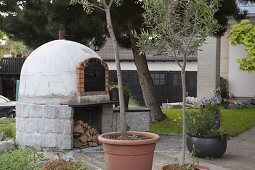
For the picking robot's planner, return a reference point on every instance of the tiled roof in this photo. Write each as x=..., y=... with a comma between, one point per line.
x=106, y=53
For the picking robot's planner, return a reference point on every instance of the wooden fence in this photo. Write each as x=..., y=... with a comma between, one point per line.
x=11, y=65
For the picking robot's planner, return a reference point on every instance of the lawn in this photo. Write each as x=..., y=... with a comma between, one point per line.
x=234, y=121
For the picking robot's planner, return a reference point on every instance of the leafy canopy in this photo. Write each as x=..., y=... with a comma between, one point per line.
x=177, y=27
x=244, y=33
x=39, y=21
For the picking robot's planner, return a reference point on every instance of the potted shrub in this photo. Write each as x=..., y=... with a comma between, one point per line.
x=114, y=93
x=204, y=133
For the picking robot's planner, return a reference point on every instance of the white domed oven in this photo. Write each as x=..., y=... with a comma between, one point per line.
x=61, y=83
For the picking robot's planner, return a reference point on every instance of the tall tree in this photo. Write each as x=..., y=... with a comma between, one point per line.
x=227, y=9
x=178, y=29
x=128, y=18
x=36, y=22
x=39, y=21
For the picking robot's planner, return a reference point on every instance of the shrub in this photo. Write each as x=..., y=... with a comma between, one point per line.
x=20, y=159
x=61, y=164
x=205, y=121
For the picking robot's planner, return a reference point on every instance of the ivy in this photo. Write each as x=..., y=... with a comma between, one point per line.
x=244, y=33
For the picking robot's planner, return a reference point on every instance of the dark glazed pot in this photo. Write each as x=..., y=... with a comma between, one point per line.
x=114, y=96
x=212, y=147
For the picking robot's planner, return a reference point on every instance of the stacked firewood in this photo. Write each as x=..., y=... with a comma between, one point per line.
x=84, y=135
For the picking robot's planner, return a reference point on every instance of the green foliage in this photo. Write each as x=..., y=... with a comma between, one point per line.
x=177, y=28
x=20, y=159
x=202, y=122
x=17, y=48
x=7, y=126
x=2, y=36
x=114, y=85
x=40, y=21
x=222, y=90
x=244, y=33
x=234, y=121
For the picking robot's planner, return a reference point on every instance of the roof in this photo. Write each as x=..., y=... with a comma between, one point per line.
x=247, y=6
x=107, y=54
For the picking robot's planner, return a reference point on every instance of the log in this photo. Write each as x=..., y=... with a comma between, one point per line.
x=77, y=143
x=78, y=129
x=89, y=138
x=78, y=122
x=83, y=138
x=84, y=135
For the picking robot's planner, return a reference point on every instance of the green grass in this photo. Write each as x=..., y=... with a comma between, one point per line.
x=7, y=126
x=234, y=121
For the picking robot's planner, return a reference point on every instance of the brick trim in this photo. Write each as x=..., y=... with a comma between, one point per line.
x=81, y=79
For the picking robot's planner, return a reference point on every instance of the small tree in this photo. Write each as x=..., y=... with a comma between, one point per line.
x=106, y=7
x=243, y=33
x=177, y=28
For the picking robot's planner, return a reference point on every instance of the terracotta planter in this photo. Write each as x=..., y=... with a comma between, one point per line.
x=129, y=154
x=196, y=167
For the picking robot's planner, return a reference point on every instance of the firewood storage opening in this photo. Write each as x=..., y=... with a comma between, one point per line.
x=87, y=126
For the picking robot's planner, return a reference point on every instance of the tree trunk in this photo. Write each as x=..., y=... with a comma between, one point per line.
x=146, y=83
x=218, y=51
x=119, y=76
x=183, y=75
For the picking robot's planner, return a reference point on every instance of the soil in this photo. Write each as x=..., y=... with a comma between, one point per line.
x=178, y=167
x=60, y=164
x=130, y=137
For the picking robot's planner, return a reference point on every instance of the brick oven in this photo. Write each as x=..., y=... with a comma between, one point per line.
x=61, y=82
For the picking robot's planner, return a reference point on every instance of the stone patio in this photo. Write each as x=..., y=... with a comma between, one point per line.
x=240, y=154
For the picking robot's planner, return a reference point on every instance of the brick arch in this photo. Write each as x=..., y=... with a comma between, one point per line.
x=81, y=79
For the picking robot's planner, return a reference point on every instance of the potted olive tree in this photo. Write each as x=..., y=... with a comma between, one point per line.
x=177, y=29
x=123, y=150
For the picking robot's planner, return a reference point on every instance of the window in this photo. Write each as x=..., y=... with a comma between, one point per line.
x=177, y=79
x=158, y=78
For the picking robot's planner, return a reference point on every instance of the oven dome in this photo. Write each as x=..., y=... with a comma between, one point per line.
x=49, y=73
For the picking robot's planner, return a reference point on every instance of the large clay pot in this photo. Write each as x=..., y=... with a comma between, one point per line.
x=169, y=166
x=212, y=147
x=129, y=154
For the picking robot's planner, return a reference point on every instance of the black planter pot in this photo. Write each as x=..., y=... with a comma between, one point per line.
x=114, y=96
x=212, y=147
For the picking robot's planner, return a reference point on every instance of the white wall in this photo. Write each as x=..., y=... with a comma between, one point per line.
x=155, y=66
x=241, y=83
x=207, y=69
